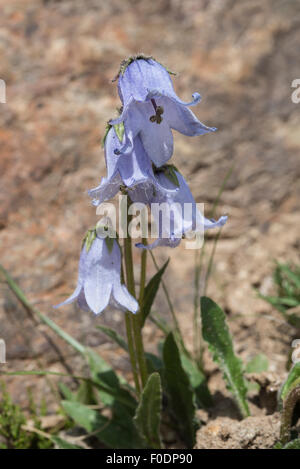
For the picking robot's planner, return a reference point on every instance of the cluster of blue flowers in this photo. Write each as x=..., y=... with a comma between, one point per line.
x=138, y=146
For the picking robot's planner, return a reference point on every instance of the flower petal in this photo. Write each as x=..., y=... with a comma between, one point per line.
x=97, y=285
x=157, y=139
x=71, y=298
x=81, y=301
x=81, y=277
x=182, y=119
x=140, y=77
x=123, y=298
x=106, y=190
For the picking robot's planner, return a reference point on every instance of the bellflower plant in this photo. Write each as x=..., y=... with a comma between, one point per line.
x=138, y=146
x=151, y=109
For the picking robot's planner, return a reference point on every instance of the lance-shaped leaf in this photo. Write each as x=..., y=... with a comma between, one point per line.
x=181, y=398
x=291, y=382
x=216, y=333
x=104, y=375
x=117, y=433
x=63, y=444
x=147, y=417
x=150, y=292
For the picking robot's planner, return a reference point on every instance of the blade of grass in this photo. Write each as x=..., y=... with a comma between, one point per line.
x=101, y=387
x=32, y=309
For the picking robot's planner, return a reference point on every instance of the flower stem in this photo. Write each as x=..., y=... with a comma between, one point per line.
x=135, y=319
x=143, y=272
x=132, y=356
x=131, y=345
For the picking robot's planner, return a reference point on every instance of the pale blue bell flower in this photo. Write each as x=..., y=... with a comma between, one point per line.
x=183, y=216
x=129, y=170
x=99, y=283
x=151, y=109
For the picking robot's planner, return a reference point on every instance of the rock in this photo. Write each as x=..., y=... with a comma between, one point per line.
x=251, y=433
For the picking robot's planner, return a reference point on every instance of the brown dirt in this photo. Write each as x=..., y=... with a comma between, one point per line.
x=57, y=59
x=252, y=433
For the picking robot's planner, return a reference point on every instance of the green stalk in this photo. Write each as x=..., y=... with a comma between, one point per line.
x=131, y=349
x=130, y=343
x=143, y=272
x=135, y=319
x=196, y=303
x=198, y=343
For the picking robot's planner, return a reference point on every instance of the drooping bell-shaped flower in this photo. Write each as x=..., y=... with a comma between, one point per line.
x=129, y=170
x=151, y=109
x=99, y=283
x=175, y=214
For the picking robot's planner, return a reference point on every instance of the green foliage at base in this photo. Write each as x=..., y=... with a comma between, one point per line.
x=12, y=433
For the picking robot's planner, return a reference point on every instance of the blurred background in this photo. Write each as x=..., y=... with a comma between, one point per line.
x=58, y=59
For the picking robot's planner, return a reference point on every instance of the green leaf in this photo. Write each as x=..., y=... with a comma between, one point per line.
x=147, y=417
x=150, y=292
x=291, y=382
x=114, y=336
x=117, y=433
x=181, y=398
x=280, y=301
x=105, y=391
x=66, y=392
x=198, y=382
x=293, y=277
x=154, y=363
x=63, y=444
x=89, y=419
x=122, y=432
x=85, y=394
x=104, y=376
x=216, y=333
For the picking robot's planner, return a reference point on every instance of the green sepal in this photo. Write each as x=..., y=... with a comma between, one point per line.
x=170, y=173
x=126, y=62
x=89, y=239
x=120, y=130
